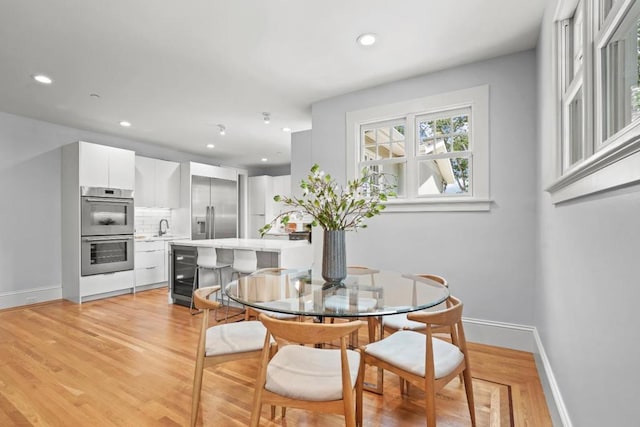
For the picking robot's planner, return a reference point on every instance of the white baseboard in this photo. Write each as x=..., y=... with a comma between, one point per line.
x=524, y=338
x=509, y=335
x=30, y=296
x=552, y=383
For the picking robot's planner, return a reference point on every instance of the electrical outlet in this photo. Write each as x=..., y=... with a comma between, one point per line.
x=32, y=300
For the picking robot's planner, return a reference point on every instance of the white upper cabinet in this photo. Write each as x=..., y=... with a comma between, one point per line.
x=157, y=183
x=260, y=188
x=145, y=182
x=104, y=166
x=262, y=208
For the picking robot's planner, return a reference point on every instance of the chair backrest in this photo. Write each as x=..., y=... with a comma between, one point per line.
x=452, y=315
x=201, y=300
x=207, y=257
x=435, y=278
x=309, y=333
x=245, y=261
x=359, y=270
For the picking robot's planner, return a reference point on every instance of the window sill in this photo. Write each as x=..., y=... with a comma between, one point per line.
x=616, y=165
x=437, y=205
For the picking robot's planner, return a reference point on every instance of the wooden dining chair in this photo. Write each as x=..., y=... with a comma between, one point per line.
x=425, y=361
x=398, y=322
x=316, y=379
x=359, y=270
x=222, y=343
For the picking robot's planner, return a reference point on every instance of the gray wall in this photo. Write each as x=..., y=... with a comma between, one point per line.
x=488, y=257
x=30, y=196
x=587, y=291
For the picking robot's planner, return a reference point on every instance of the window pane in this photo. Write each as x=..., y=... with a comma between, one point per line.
x=443, y=126
x=443, y=176
x=384, y=151
x=383, y=142
x=392, y=173
x=621, y=77
x=575, y=130
x=461, y=124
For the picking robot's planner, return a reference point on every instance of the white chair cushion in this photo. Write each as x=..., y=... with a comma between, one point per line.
x=308, y=373
x=342, y=303
x=400, y=322
x=407, y=349
x=276, y=315
x=235, y=338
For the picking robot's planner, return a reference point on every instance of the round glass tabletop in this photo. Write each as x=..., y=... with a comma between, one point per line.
x=365, y=292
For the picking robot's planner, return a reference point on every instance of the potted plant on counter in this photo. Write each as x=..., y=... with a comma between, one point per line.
x=335, y=209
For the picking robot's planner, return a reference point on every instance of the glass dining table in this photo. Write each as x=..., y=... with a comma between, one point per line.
x=364, y=293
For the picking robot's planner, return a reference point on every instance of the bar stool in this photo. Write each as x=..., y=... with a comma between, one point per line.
x=207, y=259
x=245, y=261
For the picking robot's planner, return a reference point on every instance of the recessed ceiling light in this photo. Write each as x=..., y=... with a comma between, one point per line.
x=211, y=146
x=267, y=118
x=125, y=124
x=286, y=129
x=366, y=39
x=41, y=78
x=264, y=159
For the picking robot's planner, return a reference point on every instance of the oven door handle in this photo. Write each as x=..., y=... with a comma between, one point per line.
x=107, y=238
x=123, y=201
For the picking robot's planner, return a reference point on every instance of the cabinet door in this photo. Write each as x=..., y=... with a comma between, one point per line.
x=122, y=168
x=94, y=165
x=145, y=182
x=281, y=187
x=167, y=188
x=258, y=187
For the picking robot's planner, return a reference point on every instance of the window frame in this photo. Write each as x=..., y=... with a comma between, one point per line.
x=476, y=98
x=608, y=163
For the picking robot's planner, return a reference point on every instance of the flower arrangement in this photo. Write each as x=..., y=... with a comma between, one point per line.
x=333, y=207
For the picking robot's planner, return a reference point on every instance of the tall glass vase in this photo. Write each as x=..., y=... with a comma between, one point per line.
x=334, y=256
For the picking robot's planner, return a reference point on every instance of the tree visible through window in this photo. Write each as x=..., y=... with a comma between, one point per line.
x=443, y=152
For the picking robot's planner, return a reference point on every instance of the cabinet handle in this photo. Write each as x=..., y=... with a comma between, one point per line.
x=150, y=268
x=180, y=276
x=179, y=258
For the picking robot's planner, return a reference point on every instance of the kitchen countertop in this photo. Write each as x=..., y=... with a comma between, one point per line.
x=263, y=245
x=143, y=238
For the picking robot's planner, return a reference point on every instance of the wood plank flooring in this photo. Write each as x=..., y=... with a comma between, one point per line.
x=129, y=360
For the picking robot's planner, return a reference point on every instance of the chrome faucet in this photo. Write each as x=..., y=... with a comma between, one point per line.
x=166, y=228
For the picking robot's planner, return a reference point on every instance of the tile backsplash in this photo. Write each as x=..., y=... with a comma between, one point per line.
x=147, y=220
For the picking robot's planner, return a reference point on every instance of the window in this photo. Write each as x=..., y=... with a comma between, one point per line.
x=435, y=149
x=573, y=141
x=598, y=84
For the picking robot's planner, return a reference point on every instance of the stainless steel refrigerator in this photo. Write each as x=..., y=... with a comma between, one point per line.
x=214, y=208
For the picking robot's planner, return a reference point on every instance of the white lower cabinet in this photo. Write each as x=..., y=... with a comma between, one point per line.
x=150, y=262
x=109, y=282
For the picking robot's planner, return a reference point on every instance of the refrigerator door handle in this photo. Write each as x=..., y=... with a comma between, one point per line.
x=213, y=222
x=207, y=225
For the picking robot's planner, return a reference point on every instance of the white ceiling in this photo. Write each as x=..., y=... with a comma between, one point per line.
x=176, y=69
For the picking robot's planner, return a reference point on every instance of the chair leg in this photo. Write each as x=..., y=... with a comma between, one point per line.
x=468, y=386
x=430, y=408
x=372, y=324
x=197, y=388
x=359, y=388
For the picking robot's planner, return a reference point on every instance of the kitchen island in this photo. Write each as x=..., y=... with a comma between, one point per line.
x=270, y=253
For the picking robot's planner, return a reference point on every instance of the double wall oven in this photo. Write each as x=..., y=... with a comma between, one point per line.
x=107, y=216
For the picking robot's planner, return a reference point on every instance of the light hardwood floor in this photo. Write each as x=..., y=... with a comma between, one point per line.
x=129, y=360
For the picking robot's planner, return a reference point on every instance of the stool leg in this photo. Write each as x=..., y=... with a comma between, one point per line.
x=226, y=317
x=196, y=280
